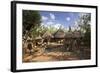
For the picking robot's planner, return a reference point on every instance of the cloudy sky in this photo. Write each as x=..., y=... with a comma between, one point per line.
x=59, y=19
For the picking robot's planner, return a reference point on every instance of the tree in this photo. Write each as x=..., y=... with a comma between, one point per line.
x=31, y=19
x=38, y=31
x=84, y=24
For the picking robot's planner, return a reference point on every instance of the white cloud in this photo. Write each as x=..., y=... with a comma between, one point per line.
x=50, y=23
x=53, y=24
x=68, y=18
x=52, y=16
x=44, y=18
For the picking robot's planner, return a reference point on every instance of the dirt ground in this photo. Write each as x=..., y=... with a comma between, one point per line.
x=51, y=56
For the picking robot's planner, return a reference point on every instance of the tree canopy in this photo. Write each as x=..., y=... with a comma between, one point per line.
x=85, y=22
x=31, y=19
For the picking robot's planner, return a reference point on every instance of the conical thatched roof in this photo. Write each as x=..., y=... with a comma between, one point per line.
x=75, y=34
x=69, y=35
x=59, y=34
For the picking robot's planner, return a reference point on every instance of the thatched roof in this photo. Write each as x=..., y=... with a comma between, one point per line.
x=69, y=35
x=75, y=34
x=59, y=34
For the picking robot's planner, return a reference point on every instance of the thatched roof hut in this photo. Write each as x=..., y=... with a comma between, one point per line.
x=69, y=35
x=75, y=34
x=59, y=34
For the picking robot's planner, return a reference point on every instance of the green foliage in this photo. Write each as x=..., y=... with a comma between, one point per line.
x=85, y=26
x=52, y=29
x=38, y=31
x=85, y=20
x=87, y=39
x=31, y=19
